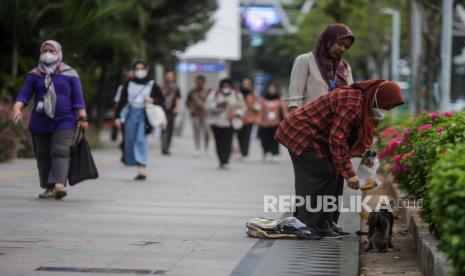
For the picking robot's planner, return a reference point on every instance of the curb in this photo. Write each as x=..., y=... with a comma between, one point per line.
x=432, y=261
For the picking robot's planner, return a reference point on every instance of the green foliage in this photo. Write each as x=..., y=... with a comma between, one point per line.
x=447, y=201
x=427, y=161
x=99, y=38
x=414, y=152
x=15, y=140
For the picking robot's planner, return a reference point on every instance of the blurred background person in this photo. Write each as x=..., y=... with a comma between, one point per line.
x=58, y=96
x=273, y=110
x=226, y=106
x=172, y=105
x=139, y=90
x=195, y=102
x=250, y=116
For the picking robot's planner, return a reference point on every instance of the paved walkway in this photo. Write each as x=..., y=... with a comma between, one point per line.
x=187, y=219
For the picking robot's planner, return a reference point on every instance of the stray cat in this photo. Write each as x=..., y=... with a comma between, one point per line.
x=379, y=233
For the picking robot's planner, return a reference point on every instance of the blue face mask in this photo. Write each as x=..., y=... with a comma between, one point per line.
x=378, y=113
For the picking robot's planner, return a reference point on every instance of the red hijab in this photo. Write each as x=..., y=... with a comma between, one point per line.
x=388, y=95
x=327, y=64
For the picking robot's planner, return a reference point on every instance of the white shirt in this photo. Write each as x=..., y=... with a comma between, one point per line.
x=138, y=92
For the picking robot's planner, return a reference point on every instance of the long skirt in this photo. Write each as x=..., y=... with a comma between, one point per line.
x=223, y=139
x=269, y=143
x=243, y=136
x=135, y=141
x=314, y=178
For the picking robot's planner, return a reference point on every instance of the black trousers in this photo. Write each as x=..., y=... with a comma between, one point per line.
x=269, y=143
x=243, y=136
x=167, y=134
x=52, y=152
x=223, y=139
x=314, y=177
x=339, y=192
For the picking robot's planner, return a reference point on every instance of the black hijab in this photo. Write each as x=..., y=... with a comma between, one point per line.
x=144, y=80
x=269, y=96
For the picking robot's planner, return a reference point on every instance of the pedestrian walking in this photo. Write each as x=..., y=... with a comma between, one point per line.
x=172, y=105
x=138, y=91
x=250, y=116
x=323, y=135
x=58, y=110
x=195, y=102
x=226, y=107
x=320, y=71
x=272, y=112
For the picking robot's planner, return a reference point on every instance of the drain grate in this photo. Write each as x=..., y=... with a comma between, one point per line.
x=100, y=270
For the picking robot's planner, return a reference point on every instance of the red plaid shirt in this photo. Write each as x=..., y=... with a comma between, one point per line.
x=328, y=124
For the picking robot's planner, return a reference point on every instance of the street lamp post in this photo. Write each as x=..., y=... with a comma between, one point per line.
x=395, y=47
x=446, y=53
x=395, y=42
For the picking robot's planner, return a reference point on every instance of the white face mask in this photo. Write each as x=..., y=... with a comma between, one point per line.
x=378, y=113
x=140, y=74
x=226, y=91
x=48, y=58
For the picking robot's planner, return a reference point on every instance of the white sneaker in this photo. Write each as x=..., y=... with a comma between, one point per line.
x=274, y=159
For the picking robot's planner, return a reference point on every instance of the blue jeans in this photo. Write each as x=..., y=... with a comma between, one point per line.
x=135, y=142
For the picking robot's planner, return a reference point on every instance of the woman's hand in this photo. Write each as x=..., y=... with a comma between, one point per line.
x=118, y=123
x=16, y=114
x=82, y=125
x=149, y=99
x=353, y=183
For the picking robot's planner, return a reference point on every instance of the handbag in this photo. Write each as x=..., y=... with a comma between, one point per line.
x=82, y=166
x=155, y=115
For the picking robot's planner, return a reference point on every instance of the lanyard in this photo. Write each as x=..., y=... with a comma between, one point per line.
x=333, y=84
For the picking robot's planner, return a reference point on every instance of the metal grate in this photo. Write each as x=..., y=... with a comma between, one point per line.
x=306, y=257
x=101, y=270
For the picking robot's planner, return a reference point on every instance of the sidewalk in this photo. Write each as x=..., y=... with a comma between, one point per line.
x=188, y=218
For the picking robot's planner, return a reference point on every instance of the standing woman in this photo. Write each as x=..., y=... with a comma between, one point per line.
x=320, y=71
x=225, y=105
x=323, y=69
x=322, y=137
x=58, y=109
x=273, y=110
x=136, y=92
x=250, y=116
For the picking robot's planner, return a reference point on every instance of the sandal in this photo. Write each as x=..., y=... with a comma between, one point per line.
x=60, y=191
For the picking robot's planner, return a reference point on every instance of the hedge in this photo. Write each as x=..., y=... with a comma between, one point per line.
x=416, y=150
x=446, y=192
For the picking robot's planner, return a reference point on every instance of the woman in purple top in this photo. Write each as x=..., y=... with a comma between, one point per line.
x=58, y=109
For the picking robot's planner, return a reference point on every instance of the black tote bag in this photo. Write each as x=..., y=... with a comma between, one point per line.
x=82, y=166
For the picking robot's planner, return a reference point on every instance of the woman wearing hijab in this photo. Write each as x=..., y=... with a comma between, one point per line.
x=322, y=137
x=273, y=110
x=131, y=109
x=320, y=71
x=58, y=109
x=250, y=116
x=226, y=107
x=323, y=69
